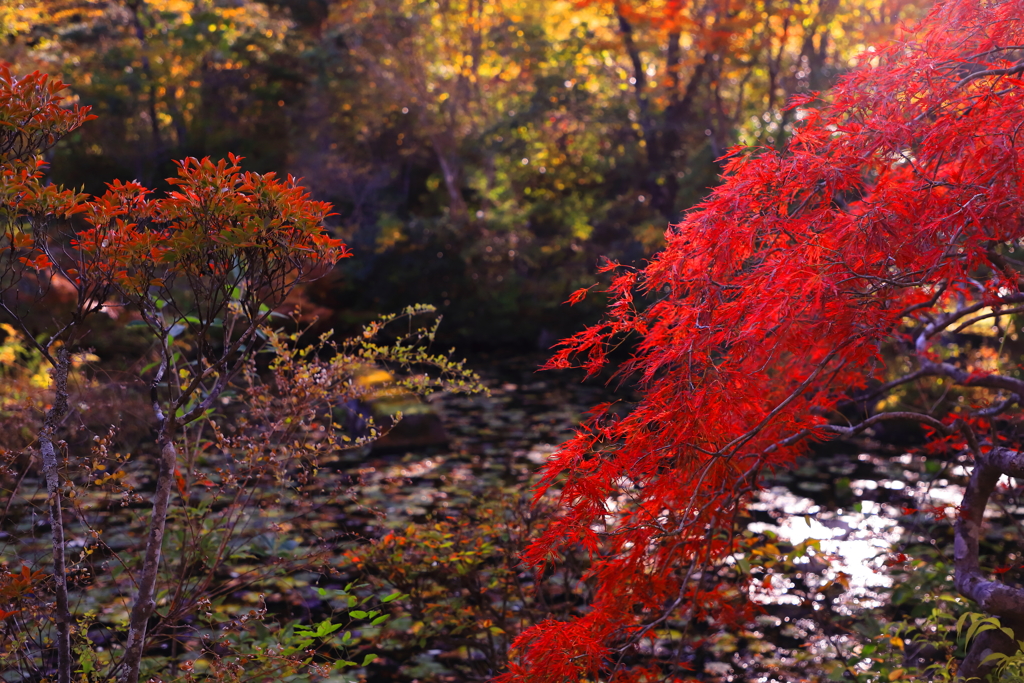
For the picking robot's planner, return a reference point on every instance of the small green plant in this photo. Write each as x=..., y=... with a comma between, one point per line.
x=1008, y=667
x=255, y=646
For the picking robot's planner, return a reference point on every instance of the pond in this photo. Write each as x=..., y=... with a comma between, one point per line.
x=874, y=508
x=444, y=527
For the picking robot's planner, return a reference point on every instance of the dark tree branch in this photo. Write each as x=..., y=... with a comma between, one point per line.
x=994, y=597
x=897, y=415
x=1008, y=71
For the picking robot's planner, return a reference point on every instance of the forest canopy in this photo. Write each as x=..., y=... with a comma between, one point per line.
x=498, y=148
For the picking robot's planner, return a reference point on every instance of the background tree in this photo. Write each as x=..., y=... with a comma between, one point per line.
x=169, y=80
x=813, y=282
x=238, y=243
x=705, y=75
x=520, y=141
x=221, y=251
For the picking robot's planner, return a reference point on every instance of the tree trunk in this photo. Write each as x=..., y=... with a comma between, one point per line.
x=144, y=605
x=452, y=176
x=52, y=419
x=993, y=597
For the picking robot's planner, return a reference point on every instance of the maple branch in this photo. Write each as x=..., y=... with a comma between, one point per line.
x=937, y=425
x=995, y=50
x=946, y=319
x=998, y=408
x=941, y=322
x=1003, y=263
x=926, y=304
x=1008, y=71
x=883, y=388
x=789, y=440
x=994, y=314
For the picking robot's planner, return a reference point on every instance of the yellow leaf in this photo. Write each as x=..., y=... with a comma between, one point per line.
x=896, y=674
x=897, y=642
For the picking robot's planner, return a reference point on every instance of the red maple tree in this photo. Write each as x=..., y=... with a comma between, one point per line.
x=889, y=222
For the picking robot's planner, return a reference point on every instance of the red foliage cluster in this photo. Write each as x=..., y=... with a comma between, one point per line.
x=32, y=120
x=219, y=219
x=768, y=307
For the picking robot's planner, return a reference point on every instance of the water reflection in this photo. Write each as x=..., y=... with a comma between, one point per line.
x=857, y=539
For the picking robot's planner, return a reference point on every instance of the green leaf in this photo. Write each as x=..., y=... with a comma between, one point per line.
x=368, y=658
x=960, y=623
x=379, y=620
x=358, y=614
x=326, y=628
x=149, y=367
x=393, y=596
x=979, y=626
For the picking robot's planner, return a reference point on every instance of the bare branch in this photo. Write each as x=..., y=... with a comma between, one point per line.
x=969, y=379
x=1008, y=71
x=998, y=408
x=937, y=425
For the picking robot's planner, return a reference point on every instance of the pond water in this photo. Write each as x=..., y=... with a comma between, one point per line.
x=864, y=502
